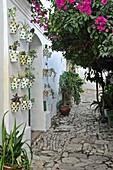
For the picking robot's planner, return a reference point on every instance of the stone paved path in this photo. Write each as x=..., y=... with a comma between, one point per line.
x=75, y=142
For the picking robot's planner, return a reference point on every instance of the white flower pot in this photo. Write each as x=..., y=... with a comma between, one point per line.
x=15, y=106
x=15, y=84
x=29, y=37
x=23, y=33
x=30, y=83
x=24, y=83
x=13, y=56
x=30, y=60
x=23, y=59
x=24, y=105
x=30, y=104
x=13, y=26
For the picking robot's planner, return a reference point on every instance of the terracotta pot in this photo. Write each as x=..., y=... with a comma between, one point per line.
x=7, y=167
x=65, y=110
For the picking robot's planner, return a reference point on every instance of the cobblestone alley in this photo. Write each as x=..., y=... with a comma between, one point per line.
x=75, y=142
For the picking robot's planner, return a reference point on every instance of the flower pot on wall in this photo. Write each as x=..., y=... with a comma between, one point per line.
x=45, y=52
x=7, y=167
x=24, y=83
x=30, y=60
x=45, y=72
x=23, y=59
x=29, y=37
x=13, y=26
x=45, y=93
x=30, y=83
x=23, y=33
x=30, y=104
x=24, y=105
x=13, y=56
x=15, y=106
x=15, y=84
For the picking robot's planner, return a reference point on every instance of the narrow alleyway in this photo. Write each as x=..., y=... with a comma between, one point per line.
x=75, y=142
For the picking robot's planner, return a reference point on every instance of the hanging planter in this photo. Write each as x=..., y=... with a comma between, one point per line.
x=45, y=72
x=23, y=31
x=29, y=36
x=23, y=58
x=45, y=51
x=13, y=26
x=15, y=106
x=31, y=55
x=30, y=83
x=13, y=56
x=14, y=83
x=45, y=93
x=15, y=102
x=30, y=103
x=30, y=60
x=24, y=83
x=24, y=102
x=24, y=105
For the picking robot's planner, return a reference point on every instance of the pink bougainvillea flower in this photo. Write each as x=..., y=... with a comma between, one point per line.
x=106, y=30
x=112, y=31
x=65, y=7
x=104, y=1
x=57, y=1
x=59, y=7
x=72, y=1
x=62, y=2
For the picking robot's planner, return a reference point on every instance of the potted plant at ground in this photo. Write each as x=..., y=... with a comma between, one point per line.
x=30, y=103
x=23, y=58
x=30, y=35
x=45, y=70
x=24, y=102
x=31, y=56
x=13, y=25
x=14, y=82
x=30, y=75
x=15, y=102
x=13, y=53
x=12, y=154
x=70, y=85
x=23, y=30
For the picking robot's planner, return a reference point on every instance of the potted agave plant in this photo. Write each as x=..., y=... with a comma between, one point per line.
x=24, y=102
x=24, y=80
x=13, y=155
x=31, y=56
x=23, y=30
x=23, y=58
x=30, y=76
x=15, y=102
x=14, y=82
x=30, y=103
x=13, y=53
x=30, y=35
x=13, y=25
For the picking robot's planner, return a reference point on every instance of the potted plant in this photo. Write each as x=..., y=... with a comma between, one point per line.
x=15, y=102
x=30, y=103
x=31, y=56
x=24, y=80
x=13, y=25
x=23, y=30
x=24, y=102
x=48, y=91
x=12, y=154
x=30, y=35
x=14, y=82
x=45, y=70
x=13, y=53
x=45, y=50
x=70, y=85
x=23, y=58
x=29, y=75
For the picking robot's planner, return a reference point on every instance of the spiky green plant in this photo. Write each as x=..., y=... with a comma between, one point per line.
x=12, y=153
